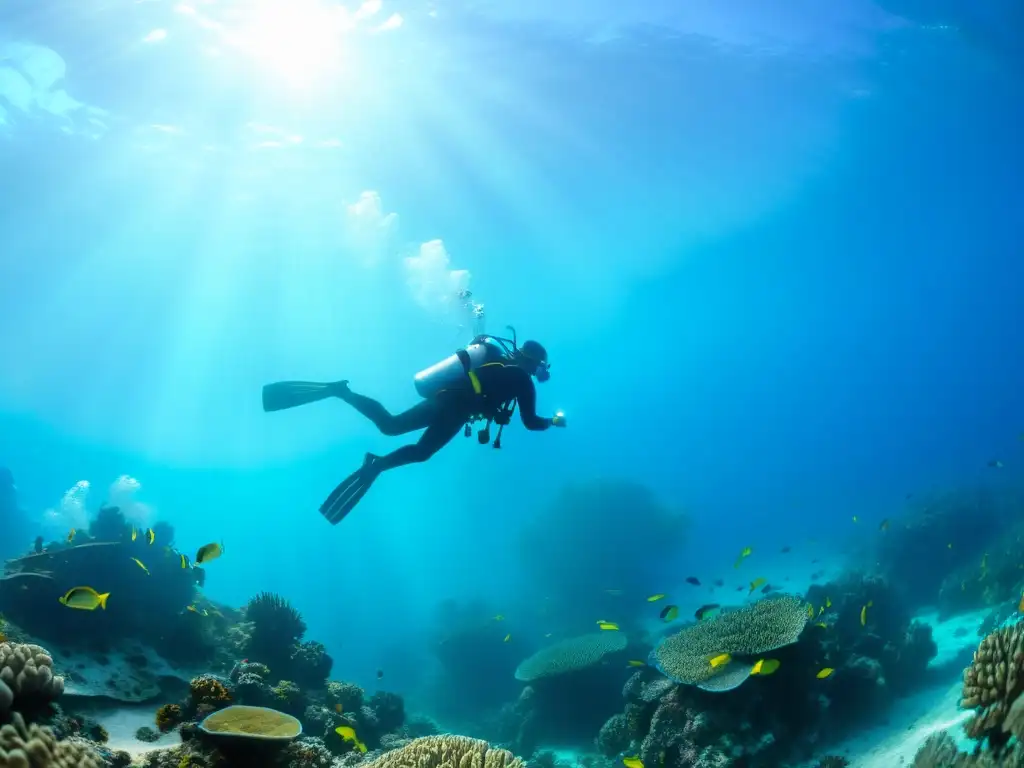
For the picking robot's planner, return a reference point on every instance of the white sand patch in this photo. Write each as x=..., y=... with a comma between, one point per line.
x=123, y=720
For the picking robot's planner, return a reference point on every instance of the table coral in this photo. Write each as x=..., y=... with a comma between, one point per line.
x=570, y=655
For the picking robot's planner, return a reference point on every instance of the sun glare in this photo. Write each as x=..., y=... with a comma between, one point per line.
x=299, y=40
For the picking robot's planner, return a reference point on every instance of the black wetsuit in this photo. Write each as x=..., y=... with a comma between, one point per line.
x=444, y=415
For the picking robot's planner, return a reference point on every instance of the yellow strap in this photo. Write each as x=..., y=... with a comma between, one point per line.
x=475, y=381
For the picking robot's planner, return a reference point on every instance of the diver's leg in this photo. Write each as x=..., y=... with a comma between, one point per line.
x=447, y=424
x=417, y=417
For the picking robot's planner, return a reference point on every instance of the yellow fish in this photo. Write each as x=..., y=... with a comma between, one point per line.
x=633, y=762
x=655, y=598
x=864, y=612
x=747, y=551
x=720, y=659
x=759, y=581
x=192, y=608
x=827, y=671
x=84, y=599
x=638, y=663
x=810, y=611
x=71, y=535
x=209, y=552
x=139, y=563
x=828, y=602
x=184, y=560
x=508, y=638
x=349, y=734
x=765, y=666
x=821, y=610
x=608, y=626
x=339, y=709
x=135, y=533
x=150, y=536
x=822, y=624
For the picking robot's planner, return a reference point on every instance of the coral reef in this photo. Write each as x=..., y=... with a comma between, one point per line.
x=940, y=751
x=276, y=628
x=209, y=689
x=388, y=710
x=147, y=734
x=310, y=665
x=34, y=746
x=252, y=722
x=26, y=676
x=571, y=655
x=447, y=752
x=348, y=696
x=168, y=717
x=993, y=685
x=764, y=626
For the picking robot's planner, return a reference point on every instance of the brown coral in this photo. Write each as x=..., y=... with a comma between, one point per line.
x=23, y=746
x=26, y=671
x=993, y=685
x=207, y=689
x=447, y=752
x=167, y=717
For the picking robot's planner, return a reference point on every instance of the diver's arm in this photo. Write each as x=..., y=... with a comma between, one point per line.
x=528, y=404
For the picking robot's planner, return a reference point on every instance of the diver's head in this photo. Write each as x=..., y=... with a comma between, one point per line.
x=534, y=358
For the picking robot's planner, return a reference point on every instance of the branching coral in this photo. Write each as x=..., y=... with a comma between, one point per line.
x=570, y=655
x=26, y=672
x=167, y=717
x=993, y=685
x=23, y=746
x=447, y=752
x=348, y=695
x=764, y=626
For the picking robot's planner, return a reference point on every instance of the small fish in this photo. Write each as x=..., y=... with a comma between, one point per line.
x=810, y=611
x=757, y=583
x=184, y=560
x=826, y=672
x=71, y=535
x=719, y=660
x=655, y=598
x=135, y=533
x=768, y=589
x=693, y=580
x=348, y=733
x=828, y=601
x=740, y=588
x=209, y=552
x=786, y=549
x=508, y=638
x=608, y=626
x=884, y=525
x=84, y=599
x=745, y=553
x=636, y=663
x=633, y=762
x=499, y=617
x=669, y=613
x=140, y=564
x=339, y=709
x=864, y=612
x=196, y=610
x=708, y=611
x=380, y=674
x=765, y=666
x=150, y=536
x=821, y=610
x=996, y=464
x=855, y=519
x=822, y=624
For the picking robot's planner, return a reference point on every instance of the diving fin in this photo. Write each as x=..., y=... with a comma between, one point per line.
x=349, y=492
x=290, y=394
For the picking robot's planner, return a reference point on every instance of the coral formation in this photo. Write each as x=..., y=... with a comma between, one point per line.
x=276, y=628
x=310, y=664
x=348, y=696
x=208, y=689
x=34, y=746
x=447, y=752
x=940, y=751
x=570, y=655
x=993, y=685
x=145, y=733
x=168, y=717
x=252, y=722
x=388, y=710
x=764, y=626
x=26, y=676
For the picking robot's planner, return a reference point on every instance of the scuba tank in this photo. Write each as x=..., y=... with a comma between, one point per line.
x=454, y=370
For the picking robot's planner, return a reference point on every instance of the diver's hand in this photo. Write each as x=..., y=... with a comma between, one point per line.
x=558, y=420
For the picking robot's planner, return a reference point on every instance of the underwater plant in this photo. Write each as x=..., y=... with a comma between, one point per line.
x=276, y=627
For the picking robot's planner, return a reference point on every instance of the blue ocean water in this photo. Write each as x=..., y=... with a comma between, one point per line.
x=774, y=257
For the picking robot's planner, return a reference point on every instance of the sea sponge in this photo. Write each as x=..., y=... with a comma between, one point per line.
x=570, y=655
x=23, y=746
x=26, y=671
x=752, y=630
x=993, y=685
x=207, y=689
x=447, y=751
x=168, y=716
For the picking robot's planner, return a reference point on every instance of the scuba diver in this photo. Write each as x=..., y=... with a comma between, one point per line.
x=481, y=382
